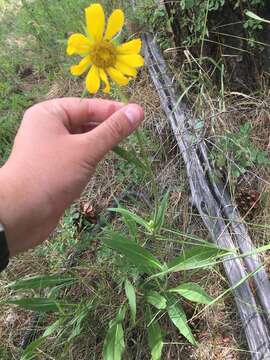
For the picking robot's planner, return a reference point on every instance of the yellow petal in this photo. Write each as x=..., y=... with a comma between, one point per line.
x=125, y=69
x=83, y=65
x=93, y=80
x=78, y=44
x=130, y=47
x=104, y=78
x=131, y=60
x=115, y=24
x=117, y=76
x=95, y=21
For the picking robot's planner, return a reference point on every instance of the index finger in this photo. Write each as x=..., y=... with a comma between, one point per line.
x=77, y=112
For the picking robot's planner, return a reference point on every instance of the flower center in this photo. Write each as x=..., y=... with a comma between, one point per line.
x=103, y=54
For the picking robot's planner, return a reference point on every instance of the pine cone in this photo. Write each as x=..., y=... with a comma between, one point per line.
x=247, y=201
x=89, y=213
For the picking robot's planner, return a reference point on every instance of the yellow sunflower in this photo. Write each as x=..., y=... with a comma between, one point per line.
x=101, y=56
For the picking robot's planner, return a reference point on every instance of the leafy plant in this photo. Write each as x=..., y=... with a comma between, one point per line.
x=237, y=152
x=70, y=316
x=156, y=20
x=149, y=292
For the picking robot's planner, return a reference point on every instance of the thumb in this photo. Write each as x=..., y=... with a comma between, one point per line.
x=113, y=130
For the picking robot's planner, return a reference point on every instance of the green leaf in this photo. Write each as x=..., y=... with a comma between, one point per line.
x=131, y=225
x=155, y=341
x=131, y=296
x=199, y=256
x=41, y=304
x=40, y=282
x=114, y=343
x=78, y=319
x=136, y=254
x=193, y=292
x=120, y=316
x=135, y=217
x=129, y=157
x=161, y=212
x=179, y=319
x=256, y=17
x=155, y=299
x=262, y=158
x=28, y=352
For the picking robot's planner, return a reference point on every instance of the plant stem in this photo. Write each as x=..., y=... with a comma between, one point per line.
x=144, y=156
x=150, y=171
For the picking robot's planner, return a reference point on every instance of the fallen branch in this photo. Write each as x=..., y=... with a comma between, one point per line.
x=215, y=208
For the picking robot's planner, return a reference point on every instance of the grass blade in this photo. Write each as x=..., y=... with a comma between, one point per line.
x=135, y=217
x=131, y=296
x=129, y=157
x=41, y=304
x=40, y=282
x=114, y=344
x=197, y=257
x=136, y=254
x=28, y=353
x=256, y=17
x=161, y=212
x=154, y=336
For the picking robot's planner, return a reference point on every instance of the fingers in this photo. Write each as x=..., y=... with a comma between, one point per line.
x=112, y=131
x=75, y=113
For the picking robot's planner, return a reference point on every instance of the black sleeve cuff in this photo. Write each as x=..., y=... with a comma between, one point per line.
x=4, y=252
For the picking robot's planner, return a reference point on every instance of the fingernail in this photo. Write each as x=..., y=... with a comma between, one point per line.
x=133, y=113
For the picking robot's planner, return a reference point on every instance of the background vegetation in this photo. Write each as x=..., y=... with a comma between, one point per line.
x=77, y=296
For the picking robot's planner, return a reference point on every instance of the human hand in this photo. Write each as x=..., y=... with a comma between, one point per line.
x=55, y=152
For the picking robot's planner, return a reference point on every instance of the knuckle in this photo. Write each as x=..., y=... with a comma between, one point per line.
x=29, y=111
x=117, y=127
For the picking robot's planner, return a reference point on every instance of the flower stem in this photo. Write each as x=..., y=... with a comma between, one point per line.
x=144, y=157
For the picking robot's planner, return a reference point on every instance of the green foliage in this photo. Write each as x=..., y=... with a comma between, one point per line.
x=199, y=256
x=136, y=265
x=70, y=317
x=196, y=23
x=161, y=212
x=114, y=344
x=29, y=352
x=255, y=17
x=136, y=254
x=40, y=282
x=192, y=292
x=156, y=19
x=237, y=151
x=179, y=319
x=154, y=336
x=131, y=296
x=253, y=23
x=155, y=299
x=41, y=304
x=129, y=157
x=193, y=17
x=152, y=279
